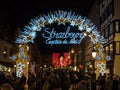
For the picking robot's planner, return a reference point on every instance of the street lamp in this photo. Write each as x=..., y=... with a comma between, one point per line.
x=94, y=53
x=72, y=51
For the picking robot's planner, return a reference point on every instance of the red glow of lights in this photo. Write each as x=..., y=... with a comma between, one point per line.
x=56, y=60
x=81, y=66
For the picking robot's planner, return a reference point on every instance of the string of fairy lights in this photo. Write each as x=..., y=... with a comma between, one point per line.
x=60, y=17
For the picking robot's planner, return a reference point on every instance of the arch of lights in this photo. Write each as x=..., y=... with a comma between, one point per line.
x=61, y=17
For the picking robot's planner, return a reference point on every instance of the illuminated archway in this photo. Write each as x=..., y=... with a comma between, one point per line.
x=62, y=17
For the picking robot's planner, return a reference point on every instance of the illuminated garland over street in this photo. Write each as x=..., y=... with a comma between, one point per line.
x=63, y=17
x=60, y=17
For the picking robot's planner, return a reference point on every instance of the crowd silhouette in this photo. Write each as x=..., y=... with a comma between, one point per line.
x=59, y=79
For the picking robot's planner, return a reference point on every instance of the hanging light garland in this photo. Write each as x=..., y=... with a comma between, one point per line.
x=60, y=17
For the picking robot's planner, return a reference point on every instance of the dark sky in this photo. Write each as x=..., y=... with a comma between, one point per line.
x=18, y=13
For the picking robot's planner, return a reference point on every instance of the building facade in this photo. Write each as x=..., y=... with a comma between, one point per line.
x=110, y=29
x=6, y=64
x=106, y=16
x=6, y=46
x=86, y=55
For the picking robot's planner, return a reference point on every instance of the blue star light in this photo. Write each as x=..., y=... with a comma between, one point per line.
x=14, y=57
x=73, y=23
x=80, y=28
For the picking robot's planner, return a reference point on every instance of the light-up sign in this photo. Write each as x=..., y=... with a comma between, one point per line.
x=61, y=17
x=66, y=37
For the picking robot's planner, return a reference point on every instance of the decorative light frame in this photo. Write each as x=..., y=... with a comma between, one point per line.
x=61, y=17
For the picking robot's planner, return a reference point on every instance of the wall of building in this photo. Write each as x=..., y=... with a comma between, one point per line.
x=88, y=45
x=117, y=57
x=94, y=14
x=109, y=25
x=116, y=9
x=117, y=65
x=5, y=53
x=117, y=37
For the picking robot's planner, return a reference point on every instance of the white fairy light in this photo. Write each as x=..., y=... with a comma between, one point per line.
x=102, y=68
x=20, y=67
x=67, y=17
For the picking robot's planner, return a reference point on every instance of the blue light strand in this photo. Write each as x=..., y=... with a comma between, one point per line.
x=39, y=22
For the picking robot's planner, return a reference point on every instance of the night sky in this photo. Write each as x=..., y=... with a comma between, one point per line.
x=18, y=13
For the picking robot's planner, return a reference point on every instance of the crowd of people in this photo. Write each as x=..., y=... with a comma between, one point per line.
x=59, y=79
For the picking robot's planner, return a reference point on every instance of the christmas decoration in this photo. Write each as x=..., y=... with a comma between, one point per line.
x=60, y=17
x=102, y=68
x=70, y=18
x=21, y=58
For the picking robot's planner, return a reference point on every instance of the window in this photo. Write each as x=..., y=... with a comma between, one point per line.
x=117, y=47
x=111, y=28
x=107, y=50
x=106, y=32
x=100, y=6
x=117, y=26
x=110, y=9
x=103, y=4
x=103, y=33
x=111, y=51
x=102, y=19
